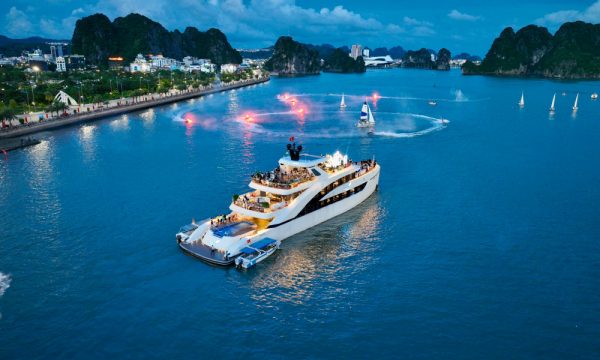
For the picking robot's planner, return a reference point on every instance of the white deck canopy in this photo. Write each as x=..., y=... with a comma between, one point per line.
x=306, y=161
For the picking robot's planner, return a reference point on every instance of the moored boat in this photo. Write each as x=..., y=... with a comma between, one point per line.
x=257, y=252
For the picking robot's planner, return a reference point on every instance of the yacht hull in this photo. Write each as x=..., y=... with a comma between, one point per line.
x=299, y=224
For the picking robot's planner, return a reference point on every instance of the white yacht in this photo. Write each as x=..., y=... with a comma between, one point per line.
x=303, y=191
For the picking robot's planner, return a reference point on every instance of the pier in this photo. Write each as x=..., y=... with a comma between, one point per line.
x=101, y=113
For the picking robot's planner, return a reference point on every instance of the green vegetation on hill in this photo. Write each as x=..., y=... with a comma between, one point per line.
x=339, y=61
x=293, y=58
x=421, y=59
x=97, y=38
x=573, y=52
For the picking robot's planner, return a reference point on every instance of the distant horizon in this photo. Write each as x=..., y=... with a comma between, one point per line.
x=465, y=26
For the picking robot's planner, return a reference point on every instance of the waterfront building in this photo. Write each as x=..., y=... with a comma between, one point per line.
x=161, y=62
x=356, y=51
x=366, y=52
x=229, y=68
x=140, y=64
x=61, y=65
x=379, y=61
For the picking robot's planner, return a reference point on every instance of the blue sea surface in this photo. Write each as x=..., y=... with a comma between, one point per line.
x=483, y=240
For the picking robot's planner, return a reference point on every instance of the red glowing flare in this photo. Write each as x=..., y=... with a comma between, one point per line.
x=188, y=121
x=300, y=111
x=375, y=96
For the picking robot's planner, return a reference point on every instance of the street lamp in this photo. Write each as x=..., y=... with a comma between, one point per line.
x=36, y=70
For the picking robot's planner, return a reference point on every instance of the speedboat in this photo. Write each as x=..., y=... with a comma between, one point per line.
x=301, y=192
x=366, y=120
x=257, y=252
x=594, y=96
x=444, y=121
x=432, y=102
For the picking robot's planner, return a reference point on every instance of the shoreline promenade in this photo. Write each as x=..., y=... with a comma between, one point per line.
x=55, y=123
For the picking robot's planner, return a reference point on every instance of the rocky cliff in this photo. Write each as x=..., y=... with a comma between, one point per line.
x=339, y=61
x=573, y=52
x=97, y=38
x=293, y=58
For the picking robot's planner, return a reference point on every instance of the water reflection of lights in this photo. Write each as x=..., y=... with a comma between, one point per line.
x=148, y=115
x=121, y=123
x=87, y=140
x=41, y=180
x=327, y=253
x=233, y=105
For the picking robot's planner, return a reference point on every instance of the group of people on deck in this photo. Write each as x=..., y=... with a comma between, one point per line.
x=223, y=220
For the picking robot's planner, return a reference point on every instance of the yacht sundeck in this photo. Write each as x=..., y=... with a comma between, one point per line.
x=301, y=192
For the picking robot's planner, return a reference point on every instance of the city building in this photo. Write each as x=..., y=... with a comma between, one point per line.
x=379, y=61
x=161, y=62
x=74, y=62
x=229, y=68
x=356, y=51
x=139, y=65
x=115, y=63
x=61, y=65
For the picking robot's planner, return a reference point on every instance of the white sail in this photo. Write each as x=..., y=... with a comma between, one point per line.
x=576, y=101
x=552, y=105
x=364, y=111
x=343, y=103
x=371, y=118
x=522, y=101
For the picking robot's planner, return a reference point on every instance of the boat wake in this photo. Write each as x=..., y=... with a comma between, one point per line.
x=4, y=283
x=391, y=125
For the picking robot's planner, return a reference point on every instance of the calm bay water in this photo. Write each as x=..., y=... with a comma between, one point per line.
x=483, y=241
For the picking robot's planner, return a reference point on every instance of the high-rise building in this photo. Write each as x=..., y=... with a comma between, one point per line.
x=53, y=51
x=356, y=51
x=61, y=66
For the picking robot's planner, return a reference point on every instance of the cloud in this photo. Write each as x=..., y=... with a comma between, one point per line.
x=590, y=14
x=247, y=22
x=460, y=16
x=17, y=22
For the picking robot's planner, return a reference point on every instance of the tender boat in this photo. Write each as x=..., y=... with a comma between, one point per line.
x=367, y=120
x=257, y=252
x=432, y=102
x=594, y=96
x=301, y=192
x=343, y=103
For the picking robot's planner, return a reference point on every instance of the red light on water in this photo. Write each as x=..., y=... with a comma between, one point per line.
x=188, y=121
x=375, y=96
x=300, y=111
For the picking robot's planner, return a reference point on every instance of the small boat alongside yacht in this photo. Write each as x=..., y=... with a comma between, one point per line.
x=301, y=192
x=257, y=252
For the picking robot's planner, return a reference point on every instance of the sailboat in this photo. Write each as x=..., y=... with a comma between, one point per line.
x=366, y=117
x=575, y=107
x=343, y=103
x=522, y=101
x=552, y=105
